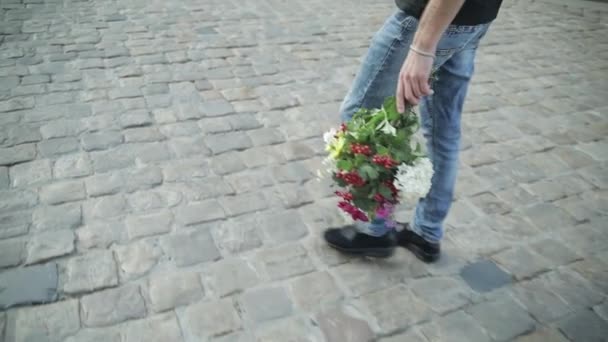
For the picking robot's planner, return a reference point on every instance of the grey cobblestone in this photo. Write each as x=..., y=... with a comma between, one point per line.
x=12, y=252
x=155, y=110
x=112, y=306
x=137, y=258
x=209, y=319
x=49, y=245
x=168, y=291
x=53, y=322
x=31, y=173
x=266, y=304
x=158, y=328
x=94, y=271
x=58, y=193
x=190, y=248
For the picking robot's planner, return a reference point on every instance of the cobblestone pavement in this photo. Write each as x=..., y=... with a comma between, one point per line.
x=157, y=182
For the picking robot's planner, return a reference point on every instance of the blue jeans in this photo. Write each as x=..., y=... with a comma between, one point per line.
x=440, y=113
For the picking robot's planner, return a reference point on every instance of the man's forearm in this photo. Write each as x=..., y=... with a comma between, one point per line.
x=437, y=15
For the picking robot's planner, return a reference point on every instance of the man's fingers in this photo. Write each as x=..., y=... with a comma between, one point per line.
x=414, y=85
x=400, y=97
x=425, y=88
x=409, y=96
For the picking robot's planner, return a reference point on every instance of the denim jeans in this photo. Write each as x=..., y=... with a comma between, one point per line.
x=440, y=113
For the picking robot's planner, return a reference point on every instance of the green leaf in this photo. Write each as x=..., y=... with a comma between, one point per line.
x=385, y=191
x=390, y=106
x=364, y=204
x=346, y=165
x=368, y=172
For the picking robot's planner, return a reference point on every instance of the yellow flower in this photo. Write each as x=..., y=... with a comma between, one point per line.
x=338, y=145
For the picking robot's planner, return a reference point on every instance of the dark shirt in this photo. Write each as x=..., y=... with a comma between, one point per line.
x=473, y=12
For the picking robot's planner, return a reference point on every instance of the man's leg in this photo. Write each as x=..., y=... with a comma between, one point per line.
x=377, y=76
x=441, y=114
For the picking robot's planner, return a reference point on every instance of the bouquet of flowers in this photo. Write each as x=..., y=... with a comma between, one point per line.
x=376, y=163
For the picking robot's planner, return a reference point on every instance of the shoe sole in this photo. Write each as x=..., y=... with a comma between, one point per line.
x=420, y=254
x=367, y=252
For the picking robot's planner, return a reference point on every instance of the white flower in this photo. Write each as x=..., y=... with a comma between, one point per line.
x=330, y=136
x=387, y=128
x=414, y=181
x=330, y=168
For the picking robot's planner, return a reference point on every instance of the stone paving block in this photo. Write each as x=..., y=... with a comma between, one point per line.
x=338, y=325
x=238, y=235
x=99, y=141
x=4, y=179
x=283, y=226
x=457, y=326
x=584, y=326
x=15, y=223
x=595, y=270
x=285, y=261
x=96, y=335
x=442, y=294
x=56, y=147
x=112, y=306
x=555, y=252
x=490, y=204
x=230, y=276
x=52, y=322
x=104, y=207
x=72, y=166
x=168, y=291
x=17, y=200
x=104, y=184
x=100, y=234
x=186, y=170
x=209, y=319
x=315, y=290
x=53, y=218
x=396, y=308
x=225, y=142
x=29, y=285
x=90, y=272
x=149, y=224
x=485, y=276
x=201, y=212
x=137, y=258
x=602, y=310
x=266, y=304
x=266, y=136
x=30, y=174
x=243, y=204
x=12, y=252
x=586, y=238
x=492, y=316
x=522, y=262
x=543, y=335
x=548, y=217
x=17, y=154
x=190, y=248
x=49, y=245
x=294, y=329
x=158, y=328
x=596, y=175
x=557, y=188
x=227, y=163
x=66, y=191
x=544, y=305
x=572, y=288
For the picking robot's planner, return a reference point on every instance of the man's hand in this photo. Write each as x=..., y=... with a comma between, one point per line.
x=416, y=71
x=413, y=80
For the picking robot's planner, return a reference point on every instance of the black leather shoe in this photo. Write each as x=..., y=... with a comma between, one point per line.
x=422, y=249
x=350, y=241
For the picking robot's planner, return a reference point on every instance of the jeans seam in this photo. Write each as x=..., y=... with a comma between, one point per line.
x=390, y=51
